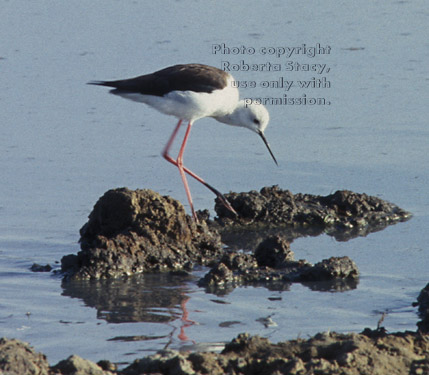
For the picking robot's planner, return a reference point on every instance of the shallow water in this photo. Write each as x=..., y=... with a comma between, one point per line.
x=63, y=144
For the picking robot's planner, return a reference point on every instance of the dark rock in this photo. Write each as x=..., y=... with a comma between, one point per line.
x=274, y=267
x=344, y=214
x=423, y=303
x=70, y=262
x=18, y=358
x=332, y=268
x=239, y=261
x=131, y=232
x=274, y=252
x=40, y=268
x=220, y=275
x=107, y=365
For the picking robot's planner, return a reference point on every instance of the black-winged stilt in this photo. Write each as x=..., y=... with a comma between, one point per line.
x=190, y=92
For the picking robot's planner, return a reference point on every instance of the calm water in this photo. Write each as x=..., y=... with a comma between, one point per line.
x=63, y=144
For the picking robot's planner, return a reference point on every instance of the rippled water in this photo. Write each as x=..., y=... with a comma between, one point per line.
x=63, y=144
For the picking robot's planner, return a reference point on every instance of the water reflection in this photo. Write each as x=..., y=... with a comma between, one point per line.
x=250, y=238
x=150, y=298
x=334, y=285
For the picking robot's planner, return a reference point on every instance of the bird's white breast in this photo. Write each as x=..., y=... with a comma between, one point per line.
x=190, y=105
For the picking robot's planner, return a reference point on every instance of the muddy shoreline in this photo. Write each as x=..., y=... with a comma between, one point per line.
x=135, y=232
x=369, y=352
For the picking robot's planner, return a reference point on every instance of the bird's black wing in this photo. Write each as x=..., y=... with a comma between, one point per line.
x=187, y=77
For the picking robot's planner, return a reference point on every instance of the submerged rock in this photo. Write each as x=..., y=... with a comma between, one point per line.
x=332, y=268
x=35, y=267
x=344, y=214
x=131, y=232
x=274, y=252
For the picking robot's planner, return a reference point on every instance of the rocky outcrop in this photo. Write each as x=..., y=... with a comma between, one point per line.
x=344, y=214
x=131, y=232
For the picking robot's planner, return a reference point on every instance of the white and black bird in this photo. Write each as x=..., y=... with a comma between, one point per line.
x=190, y=92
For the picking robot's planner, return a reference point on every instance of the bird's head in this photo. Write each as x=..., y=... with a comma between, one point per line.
x=251, y=116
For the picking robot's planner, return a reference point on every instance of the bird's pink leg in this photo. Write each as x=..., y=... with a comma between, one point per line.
x=186, y=321
x=179, y=161
x=170, y=142
x=182, y=169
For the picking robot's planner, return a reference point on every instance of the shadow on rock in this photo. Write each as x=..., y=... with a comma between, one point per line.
x=423, y=304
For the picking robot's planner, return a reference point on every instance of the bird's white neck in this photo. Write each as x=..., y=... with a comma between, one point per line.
x=235, y=117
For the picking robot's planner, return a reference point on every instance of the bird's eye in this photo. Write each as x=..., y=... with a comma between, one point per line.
x=256, y=121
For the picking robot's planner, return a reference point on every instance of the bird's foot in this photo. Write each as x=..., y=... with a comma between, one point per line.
x=226, y=203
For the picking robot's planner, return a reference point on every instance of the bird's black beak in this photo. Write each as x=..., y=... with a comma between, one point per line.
x=268, y=146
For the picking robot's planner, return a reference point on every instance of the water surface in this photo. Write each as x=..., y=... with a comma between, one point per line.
x=63, y=144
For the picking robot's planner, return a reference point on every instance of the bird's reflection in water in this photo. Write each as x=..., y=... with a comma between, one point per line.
x=150, y=298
